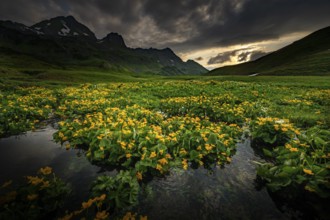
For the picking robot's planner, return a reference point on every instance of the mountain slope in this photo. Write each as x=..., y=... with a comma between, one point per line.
x=65, y=43
x=308, y=56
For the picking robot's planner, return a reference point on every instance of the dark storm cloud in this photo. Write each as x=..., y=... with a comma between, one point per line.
x=258, y=20
x=219, y=59
x=223, y=57
x=244, y=56
x=183, y=25
x=29, y=12
x=257, y=54
x=250, y=55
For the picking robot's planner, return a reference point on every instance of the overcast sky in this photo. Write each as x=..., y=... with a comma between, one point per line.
x=211, y=32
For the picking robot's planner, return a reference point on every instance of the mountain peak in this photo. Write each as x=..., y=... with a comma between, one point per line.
x=114, y=40
x=62, y=26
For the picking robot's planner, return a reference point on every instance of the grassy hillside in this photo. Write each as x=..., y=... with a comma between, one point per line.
x=308, y=56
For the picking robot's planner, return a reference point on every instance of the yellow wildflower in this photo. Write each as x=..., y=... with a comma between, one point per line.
x=67, y=217
x=32, y=197
x=101, y=215
x=130, y=146
x=159, y=167
x=153, y=154
x=102, y=197
x=8, y=197
x=46, y=170
x=228, y=159
x=185, y=164
x=288, y=146
x=129, y=216
x=163, y=161
x=123, y=145
x=78, y=212
x=294, y=149
x=308, y=171
x=226, y=142
x=34, y=180
x=87, y=204
x=183, y=151
x=5, y=184
x=45, y=184
x=139, y=175
x=208, y=147
x=168, y=156
x=128, y=155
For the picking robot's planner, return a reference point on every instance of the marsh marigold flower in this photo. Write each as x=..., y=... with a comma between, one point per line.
x=153, y=154
x=101, y=215
x=34, y=180
x=32, y=197
x=139, y=175
x=87, y=204
x=46, y=170
x=294, y=149
x=4, y=185
x=308, y=171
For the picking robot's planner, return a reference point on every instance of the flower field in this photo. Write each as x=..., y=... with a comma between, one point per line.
x=148, y=129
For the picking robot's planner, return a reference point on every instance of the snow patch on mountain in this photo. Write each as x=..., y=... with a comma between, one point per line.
x=65, y=30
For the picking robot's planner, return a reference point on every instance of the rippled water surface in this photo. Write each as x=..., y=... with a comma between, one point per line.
x=226, y=193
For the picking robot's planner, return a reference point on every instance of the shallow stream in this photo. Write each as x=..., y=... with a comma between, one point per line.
x=225, y=193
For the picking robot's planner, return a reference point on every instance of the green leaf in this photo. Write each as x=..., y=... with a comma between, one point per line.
x=266, y=152
x=212, y=139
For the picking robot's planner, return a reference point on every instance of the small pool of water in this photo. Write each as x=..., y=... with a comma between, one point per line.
x=226, y=193
x=25, y=154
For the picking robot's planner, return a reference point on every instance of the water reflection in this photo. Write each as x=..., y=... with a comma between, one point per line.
x=227, y=193
x=24, y=154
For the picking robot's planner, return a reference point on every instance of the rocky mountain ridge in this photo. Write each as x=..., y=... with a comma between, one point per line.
x=65, y=42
